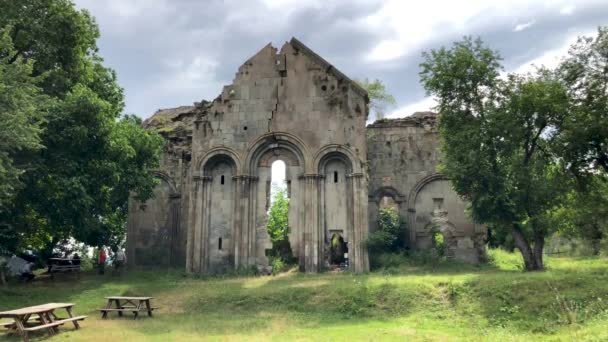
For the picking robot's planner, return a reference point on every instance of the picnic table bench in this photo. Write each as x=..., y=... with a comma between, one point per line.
x=39, y=317
x=63, y=265
x=129, y=304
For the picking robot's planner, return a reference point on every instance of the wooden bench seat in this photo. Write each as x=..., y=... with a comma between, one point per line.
x=133, y=309
x=31, y=320
x=55, y=323
x=65, y=268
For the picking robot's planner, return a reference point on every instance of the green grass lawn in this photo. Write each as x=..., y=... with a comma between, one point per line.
x=447, y=302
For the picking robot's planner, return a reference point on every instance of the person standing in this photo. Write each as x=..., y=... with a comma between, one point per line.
x=120, y=259
x=103, y=255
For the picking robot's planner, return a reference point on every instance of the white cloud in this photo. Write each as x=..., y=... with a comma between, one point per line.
x=423, y=105
x=172, y=52
x=551, y=58
x=410, y=24
x=521, y=27
x=567, y=10
x=196, y=74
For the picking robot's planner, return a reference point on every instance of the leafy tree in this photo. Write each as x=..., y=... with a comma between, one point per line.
x=379, y=98
x=278, y=226
x=390, y=236
x=78, y=184
x=584, y=213
x=497, y=136
x=22, y=111
x=584, y=139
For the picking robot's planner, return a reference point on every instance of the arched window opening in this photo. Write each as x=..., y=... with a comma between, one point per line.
x=387, y=202
x=278, y=215
x=222, y=180
x=278, y=182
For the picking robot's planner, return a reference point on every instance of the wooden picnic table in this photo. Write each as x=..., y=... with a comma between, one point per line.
x=63, y=265
x=127, y=304
x=39, y=317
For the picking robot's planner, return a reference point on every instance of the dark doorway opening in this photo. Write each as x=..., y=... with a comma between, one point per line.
x=338, y=251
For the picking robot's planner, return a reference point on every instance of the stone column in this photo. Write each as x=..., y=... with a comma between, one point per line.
x=312, y=235
x=192, y=213
x=359, y=262
x=202, y=239
x=242, y=222
x=249, y=233
x=174, y=233
x=198, y=224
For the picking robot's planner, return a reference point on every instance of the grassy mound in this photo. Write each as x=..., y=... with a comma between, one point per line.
x=441, y=302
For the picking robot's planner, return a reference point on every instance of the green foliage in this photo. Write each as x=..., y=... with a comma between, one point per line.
x=281, y=255
x=388, y=242
x=77, y=158
x=278, y=217
x=583, y=142
x=390, y=236
x=497, y=139
x=22, y=112
x=439, y=244
x=583, y=213
x=379, y=98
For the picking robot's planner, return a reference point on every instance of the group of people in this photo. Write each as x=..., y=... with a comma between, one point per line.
x=118, y=260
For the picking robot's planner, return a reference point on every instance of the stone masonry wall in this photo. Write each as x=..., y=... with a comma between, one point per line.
x=403, y=157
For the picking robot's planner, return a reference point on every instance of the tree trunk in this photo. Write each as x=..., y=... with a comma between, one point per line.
x=533, y=258
x=539, y=244
x=2, y=276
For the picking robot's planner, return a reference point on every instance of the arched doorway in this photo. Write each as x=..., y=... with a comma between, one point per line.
x=279, y=160
x=338, y=251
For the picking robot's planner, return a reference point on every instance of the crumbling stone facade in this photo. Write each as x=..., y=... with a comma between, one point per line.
x=210, y=209
x=403, y=156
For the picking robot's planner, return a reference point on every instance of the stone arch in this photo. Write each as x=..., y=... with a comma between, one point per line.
x=421, y=183
x=390, y=191
x=217, y=153
x=260, y=155
x=375, y=203
x=448, y=230
x=411, y=201
x=166, y=178
x=335, y=151
x=289, y=143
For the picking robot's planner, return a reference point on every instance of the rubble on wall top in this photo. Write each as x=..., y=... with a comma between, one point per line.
x=166, y=117
x=416, y=119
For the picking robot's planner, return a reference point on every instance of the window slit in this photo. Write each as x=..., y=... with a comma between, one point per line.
x=222, y=180
x=335, y=176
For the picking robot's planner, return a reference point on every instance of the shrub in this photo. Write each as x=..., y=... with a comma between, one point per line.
x=390, y=236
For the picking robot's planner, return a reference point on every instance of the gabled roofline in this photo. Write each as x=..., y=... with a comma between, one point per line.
x=329, y=67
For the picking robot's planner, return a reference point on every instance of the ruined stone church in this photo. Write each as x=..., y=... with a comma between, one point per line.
x=209, y=212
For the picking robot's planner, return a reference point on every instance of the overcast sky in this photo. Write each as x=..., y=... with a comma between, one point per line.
x=169, y=53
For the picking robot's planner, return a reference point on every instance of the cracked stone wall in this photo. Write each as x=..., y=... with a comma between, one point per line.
x=289, y=104
x=284, y=104
x=403, y=157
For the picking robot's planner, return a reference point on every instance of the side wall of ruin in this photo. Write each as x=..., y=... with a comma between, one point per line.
x=403, y=157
